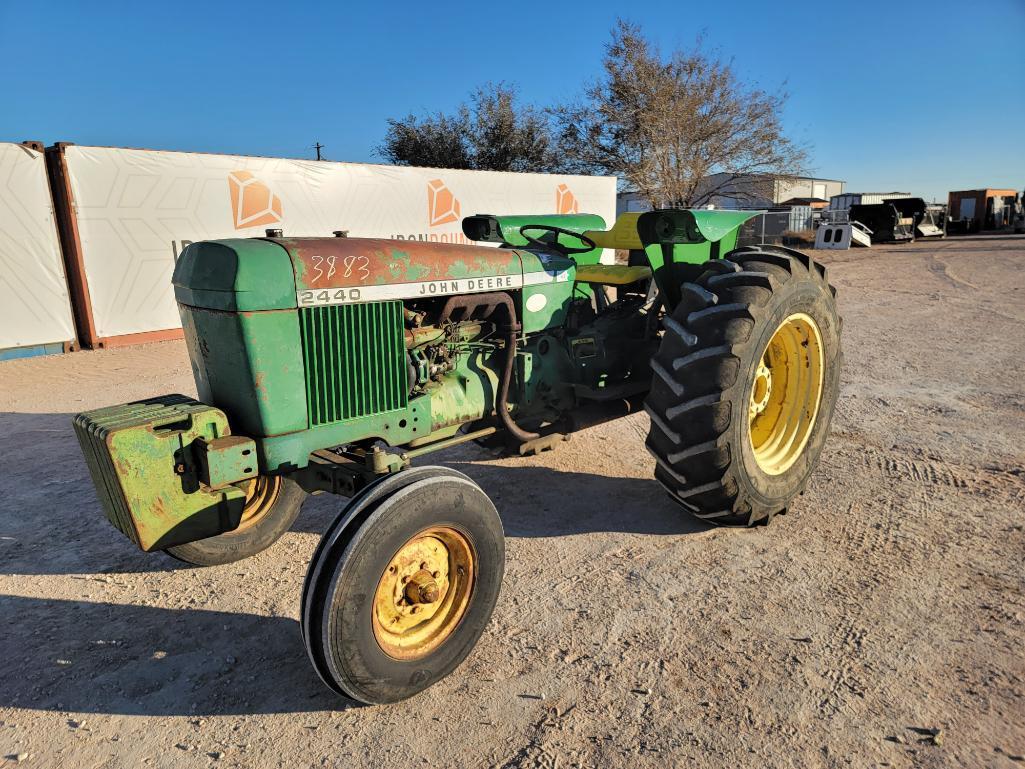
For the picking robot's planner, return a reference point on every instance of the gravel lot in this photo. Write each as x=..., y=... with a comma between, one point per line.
x=879, y=623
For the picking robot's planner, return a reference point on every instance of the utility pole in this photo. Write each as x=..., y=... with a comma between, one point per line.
x=318, y=147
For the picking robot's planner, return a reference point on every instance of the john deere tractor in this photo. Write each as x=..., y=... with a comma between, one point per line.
x=327, y=365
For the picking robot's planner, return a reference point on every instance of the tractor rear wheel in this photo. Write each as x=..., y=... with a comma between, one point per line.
x=745, y=384
x=272, y=505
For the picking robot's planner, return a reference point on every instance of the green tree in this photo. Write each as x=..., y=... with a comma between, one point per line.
x=493, y=132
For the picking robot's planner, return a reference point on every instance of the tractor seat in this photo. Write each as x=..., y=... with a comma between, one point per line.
x=612, y=274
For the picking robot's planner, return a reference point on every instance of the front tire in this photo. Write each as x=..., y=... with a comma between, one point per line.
x=745, y=385
x=403, y=591
x=272, y=505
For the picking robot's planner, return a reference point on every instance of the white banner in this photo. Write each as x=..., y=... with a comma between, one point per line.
x=137, y=208
x=34, y=306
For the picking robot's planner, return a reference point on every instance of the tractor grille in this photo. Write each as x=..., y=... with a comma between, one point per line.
x=355, y=356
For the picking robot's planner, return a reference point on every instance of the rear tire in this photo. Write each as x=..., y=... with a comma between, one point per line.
x=271, y=509
x=745, y=384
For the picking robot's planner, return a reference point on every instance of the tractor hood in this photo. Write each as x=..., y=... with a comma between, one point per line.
x=283, y=273
x=234, y=275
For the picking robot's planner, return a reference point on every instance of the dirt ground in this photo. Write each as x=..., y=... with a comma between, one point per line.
x=887, y=605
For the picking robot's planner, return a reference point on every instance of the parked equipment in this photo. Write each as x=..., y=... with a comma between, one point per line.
x=936, y=214
x=842, y=235
x=885, y=222
x=329, y=364
x=919, y=216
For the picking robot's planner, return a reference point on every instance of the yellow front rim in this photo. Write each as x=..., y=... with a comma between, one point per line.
x=423, y=593
x=261, y=494
x=786, y=393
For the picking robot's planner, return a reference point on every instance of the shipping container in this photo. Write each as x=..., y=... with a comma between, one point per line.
x=35, y=311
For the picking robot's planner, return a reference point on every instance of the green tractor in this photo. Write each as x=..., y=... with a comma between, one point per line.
x=329, y=364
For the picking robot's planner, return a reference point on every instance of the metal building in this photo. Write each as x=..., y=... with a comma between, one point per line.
x=845, y=201
x=983, y=209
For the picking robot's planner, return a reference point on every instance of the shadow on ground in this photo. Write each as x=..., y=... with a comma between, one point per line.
x=544, y=502
x=98, y=657
x=140, y=660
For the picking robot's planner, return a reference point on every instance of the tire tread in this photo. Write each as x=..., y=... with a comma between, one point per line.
x=696, y=371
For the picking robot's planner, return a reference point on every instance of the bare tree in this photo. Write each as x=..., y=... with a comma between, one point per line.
x=491, y=133
x=664, y=125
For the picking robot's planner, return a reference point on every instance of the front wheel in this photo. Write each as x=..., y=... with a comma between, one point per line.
x=745, y=384
x=272, y=505
x=404, y=585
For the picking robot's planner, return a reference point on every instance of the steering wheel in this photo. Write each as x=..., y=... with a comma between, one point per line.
x=565, y=250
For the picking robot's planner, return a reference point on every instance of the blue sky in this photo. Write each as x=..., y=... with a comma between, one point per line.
x=917, y=96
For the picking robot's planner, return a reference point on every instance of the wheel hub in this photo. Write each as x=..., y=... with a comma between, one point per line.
x=423, y=593
x=261, y=494
x=786, y=393
x=422, y=588
x=761, y=390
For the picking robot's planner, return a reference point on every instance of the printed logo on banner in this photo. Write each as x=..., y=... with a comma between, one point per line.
x=442, y=205
x=252, y=202
x=566, y=201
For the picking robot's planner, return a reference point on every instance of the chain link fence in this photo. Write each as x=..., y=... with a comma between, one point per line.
x=793, y=226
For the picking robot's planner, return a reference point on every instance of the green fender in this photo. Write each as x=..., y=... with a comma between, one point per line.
x=673, y=238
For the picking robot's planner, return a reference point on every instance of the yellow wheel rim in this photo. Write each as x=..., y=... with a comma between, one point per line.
x=423, y=593
x=786, y=393
x=261, y=494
